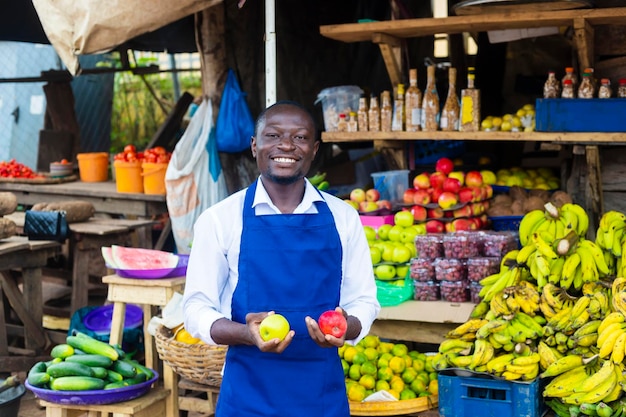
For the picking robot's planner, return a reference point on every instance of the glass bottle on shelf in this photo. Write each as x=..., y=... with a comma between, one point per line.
x=568, y=89
x=551, y=88
x=342, y=124
x=386, y=112
x=470, y=105
x=413, y=103
x=592, y=78
x=397, y=124
x=362, y=122
x=430, y=103
x=621, y=89
x=352, y=123
x=373, y=115
x=586, y=90
x=570, y=75
x=605, y=89
x=451, y=108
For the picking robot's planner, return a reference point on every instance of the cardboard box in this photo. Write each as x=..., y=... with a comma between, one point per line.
x=428, y=311
x=580, y=115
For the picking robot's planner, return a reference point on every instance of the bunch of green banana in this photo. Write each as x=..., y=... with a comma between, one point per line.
x=506, y=277
x=553, y=223
x=319, y=181
x=600, y=409
x=523, y=297
x=611, y=340
x=618, y=407
x=610, y=233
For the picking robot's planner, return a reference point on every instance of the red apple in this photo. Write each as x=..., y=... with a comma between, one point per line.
x=478, y=223
x=466, y=195
x=465, y=211
x=435, y=213
x=444, y=165
x=447, y=199
x=436, y=179
x=474, y=179
x=333, y=323
x=419, y=213
x=434, y=226
x=421, y=197
x=367, y=206
x=459, y=175
x=372, y=195
x=463, y=225
x=479, y=193
x=407, y=197
x=422, y=181
x=448, y=214
x=452, y=185
x=358, y=195
x=435, y=193
x=384, y=204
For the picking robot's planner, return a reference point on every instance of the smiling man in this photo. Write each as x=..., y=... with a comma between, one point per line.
x=280, y=246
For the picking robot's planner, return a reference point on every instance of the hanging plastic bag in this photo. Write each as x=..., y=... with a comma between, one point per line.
x=194, y=180
x=234, y=125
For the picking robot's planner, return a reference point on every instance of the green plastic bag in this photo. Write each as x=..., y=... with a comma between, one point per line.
x=389, y=294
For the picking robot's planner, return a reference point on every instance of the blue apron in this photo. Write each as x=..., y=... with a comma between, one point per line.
x=291, y=264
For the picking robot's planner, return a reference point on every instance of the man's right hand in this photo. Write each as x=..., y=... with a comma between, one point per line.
x=253, y=322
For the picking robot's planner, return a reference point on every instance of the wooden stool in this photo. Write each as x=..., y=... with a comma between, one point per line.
x=151, y=404
x=150, y=293
x=193, y=401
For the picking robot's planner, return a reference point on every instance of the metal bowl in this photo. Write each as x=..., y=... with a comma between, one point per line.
x=58, y=169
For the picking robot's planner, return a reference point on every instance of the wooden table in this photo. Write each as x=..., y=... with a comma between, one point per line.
x=420, y=321
x=19, y=254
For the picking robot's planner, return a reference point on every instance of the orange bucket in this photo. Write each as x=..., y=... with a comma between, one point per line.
x=128, y=177
x=153, y=177
x=93, y=167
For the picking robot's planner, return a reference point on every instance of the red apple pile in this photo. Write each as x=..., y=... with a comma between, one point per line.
x=448, y=194
x=367, y=201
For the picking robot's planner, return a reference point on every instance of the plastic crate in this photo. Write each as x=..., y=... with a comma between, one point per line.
x=429, y=151
x=505, y=223
x=486, y=397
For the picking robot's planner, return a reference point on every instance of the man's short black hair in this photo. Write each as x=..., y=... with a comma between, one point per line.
x=261, y=118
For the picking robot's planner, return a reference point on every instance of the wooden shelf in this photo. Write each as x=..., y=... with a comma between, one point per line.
x=561, y=137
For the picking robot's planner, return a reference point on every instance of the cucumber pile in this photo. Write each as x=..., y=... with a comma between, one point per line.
x=84, y=363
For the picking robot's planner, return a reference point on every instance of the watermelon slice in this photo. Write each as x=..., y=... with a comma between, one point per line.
x=108, y=257
x=142, y=259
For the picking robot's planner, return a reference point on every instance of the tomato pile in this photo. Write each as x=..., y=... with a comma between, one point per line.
x=158, y=154
x=14, y=169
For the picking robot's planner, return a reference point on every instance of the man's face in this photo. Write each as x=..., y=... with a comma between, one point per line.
x=285, y=145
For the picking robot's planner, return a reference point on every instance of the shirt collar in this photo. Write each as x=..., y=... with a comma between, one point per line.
x=262, y=198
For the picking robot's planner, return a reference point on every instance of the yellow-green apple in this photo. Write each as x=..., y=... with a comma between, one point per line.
x=385, y=272
x=435, y=213
x=465, y=211
x=422, y=181
x=452, y=185
x=412, y=248
x=434, y=226
x=419, y=213
x=444, y=165
x=421, y=196
x=449, y=227
x=407, y=196
x=354, y=204
x=395, y=234
x=388, y=251
x=421, y=228
x=401, y=254
x=459, y=175
x=447, y=200
x=466, y=194
x=274, y=326
x=488, y=191
x=372, y=195
x=474, y=179
x=367, y=206
x=370, y=233
x=489, y=177
x=383, y=231
x=333, y=323
x=477, y=208
x=408, y=235
x=384, y=204
x=357, y=194
x=402, y=270
x=437, y=178
x=403, y=218
x=376, y=254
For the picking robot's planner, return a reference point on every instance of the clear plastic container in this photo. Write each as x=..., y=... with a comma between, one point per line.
x=462, y=245
x=497, y=244
x=429, y=246
x=391, y=184
x=479, y=268
x=454, y=291
x=426, y=291
x=474, y=290
x=336, y=100
x=447, y=269
x=422, y=269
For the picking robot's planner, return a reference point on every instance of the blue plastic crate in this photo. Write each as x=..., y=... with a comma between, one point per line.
x=505, y=223
x=429, y=151
x=487, y=397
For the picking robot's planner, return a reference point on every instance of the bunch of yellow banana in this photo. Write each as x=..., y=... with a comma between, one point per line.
x=603, y=385
x=618, y=295
x=467, y=331
x=553, y=300
x=523, y=367
x=508, y=276
x=522, y=297
x=611, y=340
x=610, y=233
x=553, y=223
x=547, y=355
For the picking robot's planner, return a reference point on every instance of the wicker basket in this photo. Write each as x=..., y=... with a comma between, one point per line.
x=201, y=363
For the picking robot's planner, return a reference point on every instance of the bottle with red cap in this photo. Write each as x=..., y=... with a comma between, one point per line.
x=621, y=89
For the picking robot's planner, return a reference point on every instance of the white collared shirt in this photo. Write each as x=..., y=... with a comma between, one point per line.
x=212, y=274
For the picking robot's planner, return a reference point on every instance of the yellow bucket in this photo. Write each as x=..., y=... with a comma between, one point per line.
x=153, y=177
x=128, y=177
x=93, y=167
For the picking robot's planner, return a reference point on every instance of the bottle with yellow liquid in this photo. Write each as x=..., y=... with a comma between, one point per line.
x=470, y=105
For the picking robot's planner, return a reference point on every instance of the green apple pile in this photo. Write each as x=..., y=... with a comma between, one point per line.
x=522, y=121
x=393, y=245
x=373, y=365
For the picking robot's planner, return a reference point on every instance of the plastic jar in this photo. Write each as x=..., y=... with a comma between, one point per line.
x=447, y=269
x=462, y=245
x=426, y=290
x=479, y=268
x=422, y=269
x=454, y=291
x=429, y=246
x=497, y=244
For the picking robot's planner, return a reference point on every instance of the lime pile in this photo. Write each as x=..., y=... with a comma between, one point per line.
x=522, y=121
x=373, y=365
